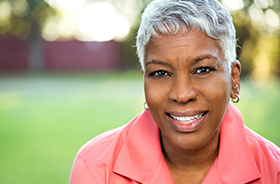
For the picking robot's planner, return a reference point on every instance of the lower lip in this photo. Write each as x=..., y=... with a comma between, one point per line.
x=187, y=127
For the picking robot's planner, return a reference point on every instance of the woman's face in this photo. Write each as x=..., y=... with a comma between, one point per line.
x=187, y=87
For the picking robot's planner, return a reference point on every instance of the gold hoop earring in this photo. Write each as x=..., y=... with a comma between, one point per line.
x=145, y=106
x=236, y=100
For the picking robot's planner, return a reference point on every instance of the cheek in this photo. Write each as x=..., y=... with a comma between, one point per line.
x=154, y=98
x=217, y=90
x=155, y=93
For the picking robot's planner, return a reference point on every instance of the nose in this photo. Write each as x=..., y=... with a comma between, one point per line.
x=182, y=90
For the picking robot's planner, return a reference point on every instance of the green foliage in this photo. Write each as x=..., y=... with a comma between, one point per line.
x=45, y=119
x=19, y=17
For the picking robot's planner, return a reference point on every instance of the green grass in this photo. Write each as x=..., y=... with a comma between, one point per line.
x=45, y=119
x=260, y=107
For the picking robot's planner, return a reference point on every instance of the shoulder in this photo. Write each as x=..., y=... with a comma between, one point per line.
x=95, y=160
x=102, y=142
x=105, y=143
x=266, y=153
x=258, y=142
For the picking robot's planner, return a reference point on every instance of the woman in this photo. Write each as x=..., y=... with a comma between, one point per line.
x=188, y=133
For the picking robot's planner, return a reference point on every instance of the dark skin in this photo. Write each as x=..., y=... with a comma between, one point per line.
x=186, y=78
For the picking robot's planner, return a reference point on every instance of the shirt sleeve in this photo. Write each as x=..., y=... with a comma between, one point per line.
x=81, y=174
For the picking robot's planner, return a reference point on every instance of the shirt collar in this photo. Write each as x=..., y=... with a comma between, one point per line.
x=235, y=163
x=141, y=158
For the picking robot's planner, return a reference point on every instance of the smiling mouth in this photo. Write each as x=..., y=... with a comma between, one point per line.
x=187, y=119
x=187, y=123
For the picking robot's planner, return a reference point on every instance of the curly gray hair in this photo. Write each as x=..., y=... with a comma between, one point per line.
x=168, y=16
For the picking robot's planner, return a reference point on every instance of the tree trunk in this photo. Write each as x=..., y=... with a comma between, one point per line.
x=36, y=56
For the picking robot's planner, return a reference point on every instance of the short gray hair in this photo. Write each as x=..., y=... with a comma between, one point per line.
x=168, y=16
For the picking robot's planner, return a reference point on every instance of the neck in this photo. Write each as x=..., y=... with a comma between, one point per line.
x=192, y=160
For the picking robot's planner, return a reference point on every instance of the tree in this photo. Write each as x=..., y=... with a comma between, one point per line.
x=22, y=20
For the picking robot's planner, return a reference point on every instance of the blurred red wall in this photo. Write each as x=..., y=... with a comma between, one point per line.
x=81, y=56
x=61, y=56
x=13, y=55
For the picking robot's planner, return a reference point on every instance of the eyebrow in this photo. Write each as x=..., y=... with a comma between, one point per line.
x=157, y=62
x=200, y=58
x=206, y=56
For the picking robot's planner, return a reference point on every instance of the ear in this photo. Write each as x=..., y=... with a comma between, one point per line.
x=235, y=80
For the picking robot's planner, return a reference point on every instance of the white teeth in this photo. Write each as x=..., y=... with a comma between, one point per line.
x=187, y=119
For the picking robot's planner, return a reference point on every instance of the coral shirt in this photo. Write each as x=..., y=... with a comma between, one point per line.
x=132, y=154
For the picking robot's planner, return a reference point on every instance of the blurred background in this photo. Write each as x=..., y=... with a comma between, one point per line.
x=69, y=71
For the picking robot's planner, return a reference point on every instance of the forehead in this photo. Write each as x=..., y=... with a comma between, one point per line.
x=192, y=44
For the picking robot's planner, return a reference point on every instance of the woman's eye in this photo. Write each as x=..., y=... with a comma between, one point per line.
x=159, y=74
x=203, y=70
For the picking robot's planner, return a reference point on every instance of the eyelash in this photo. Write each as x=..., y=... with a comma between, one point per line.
x=206, y=70
x=159, y=74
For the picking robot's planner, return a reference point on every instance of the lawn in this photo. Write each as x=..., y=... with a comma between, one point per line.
x=46, y=118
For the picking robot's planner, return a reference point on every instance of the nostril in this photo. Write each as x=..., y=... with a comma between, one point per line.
x=182, y=90
x=182, y=96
